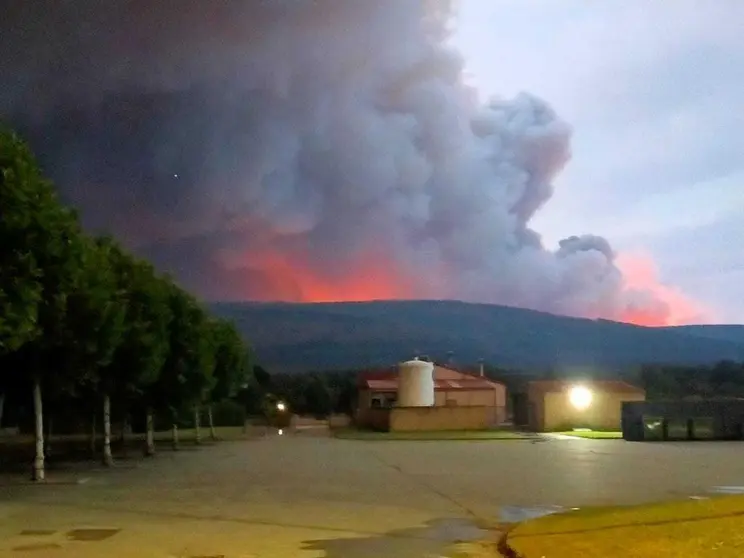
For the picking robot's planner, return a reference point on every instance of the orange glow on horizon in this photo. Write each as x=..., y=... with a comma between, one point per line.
x=370, y=278
x=366, y=280
x=673, y=306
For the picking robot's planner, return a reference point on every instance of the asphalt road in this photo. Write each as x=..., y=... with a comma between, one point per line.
x=297, y=496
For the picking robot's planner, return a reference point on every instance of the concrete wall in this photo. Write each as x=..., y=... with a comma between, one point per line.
x=472, y=398
x=440, y=418
x=604, y=413
x=376, y=419
x=339, y=421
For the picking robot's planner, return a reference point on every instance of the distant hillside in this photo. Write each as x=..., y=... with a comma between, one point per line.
x=300, y=337
x=733, y=333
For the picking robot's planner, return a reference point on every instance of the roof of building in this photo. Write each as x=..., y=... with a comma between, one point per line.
x=611, y=386
x=439, y=385
x=387, y=380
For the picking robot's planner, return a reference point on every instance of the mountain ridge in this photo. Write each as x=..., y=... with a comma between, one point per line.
x=299, y=337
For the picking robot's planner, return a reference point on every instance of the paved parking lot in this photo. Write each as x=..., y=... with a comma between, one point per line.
x=294, y=496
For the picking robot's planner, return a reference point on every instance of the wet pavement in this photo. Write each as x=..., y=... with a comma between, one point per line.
x=297, y=496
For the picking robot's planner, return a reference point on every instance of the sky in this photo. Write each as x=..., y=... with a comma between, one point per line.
x=653, y=92
x=581, y=158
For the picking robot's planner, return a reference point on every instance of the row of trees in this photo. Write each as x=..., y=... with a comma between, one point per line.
x=82, y=318
x=724, y=379
x=314, y=393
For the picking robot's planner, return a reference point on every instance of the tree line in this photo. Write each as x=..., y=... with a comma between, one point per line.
x=87, y=326
x=317, y=394
x=724, y=379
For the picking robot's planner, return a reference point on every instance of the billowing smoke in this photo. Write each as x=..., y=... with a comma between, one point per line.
x=303, y=150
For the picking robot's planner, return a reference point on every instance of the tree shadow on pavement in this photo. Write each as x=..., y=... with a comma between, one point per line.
x=76, y=456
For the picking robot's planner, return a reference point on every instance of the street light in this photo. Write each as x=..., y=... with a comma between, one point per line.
x=281, y=407
x=580, y=397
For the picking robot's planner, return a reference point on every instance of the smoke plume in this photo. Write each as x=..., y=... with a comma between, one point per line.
x=304, y=150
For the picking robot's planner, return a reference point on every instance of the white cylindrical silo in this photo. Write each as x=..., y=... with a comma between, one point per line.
x=415, y=384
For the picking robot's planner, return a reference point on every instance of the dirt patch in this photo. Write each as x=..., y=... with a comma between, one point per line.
x=91, y=535
x=36, y=547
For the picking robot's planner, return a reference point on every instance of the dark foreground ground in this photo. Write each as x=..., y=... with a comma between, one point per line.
x=308, y=495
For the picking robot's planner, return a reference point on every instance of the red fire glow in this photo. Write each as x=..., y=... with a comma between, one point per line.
x=369, y=278
x=670, y=305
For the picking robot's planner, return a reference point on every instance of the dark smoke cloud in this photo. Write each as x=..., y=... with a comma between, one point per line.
x=207, y=135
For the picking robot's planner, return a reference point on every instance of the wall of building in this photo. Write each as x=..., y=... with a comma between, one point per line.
x=339, y=421
x=495, y=399
x=364, y=399
x=555, y=411
x=471, y=398
x=406, y=419
x=375, y=419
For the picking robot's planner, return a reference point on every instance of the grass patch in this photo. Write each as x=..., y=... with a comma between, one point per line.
x=689, y=528
x=353, y=434
x=593, y=434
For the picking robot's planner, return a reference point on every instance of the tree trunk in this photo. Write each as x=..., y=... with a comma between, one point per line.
x=93, y=436
x=174, y=436
x=2, y=408
x=150, y=435
x=38, y=469
x=212, y=433
x=108, y=458
x=197, y=425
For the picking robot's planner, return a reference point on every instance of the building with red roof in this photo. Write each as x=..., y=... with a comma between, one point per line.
x=471, y=401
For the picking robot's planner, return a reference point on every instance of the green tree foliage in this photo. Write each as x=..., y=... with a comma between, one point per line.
x=87, y=327
x=187, y=374
x=319, y=397
x=724, y=379
x=232, y=362
x=48, y=238
x=316, y=393
x=25, y=199
x=251, y=396
x=139, y=359
x=96, y=310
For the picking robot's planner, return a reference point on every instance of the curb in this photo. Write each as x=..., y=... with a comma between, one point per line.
x=492, y=546
x=503, y=546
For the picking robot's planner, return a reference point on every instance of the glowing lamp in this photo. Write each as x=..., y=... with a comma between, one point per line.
x=580, y=397
x=281, y=407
